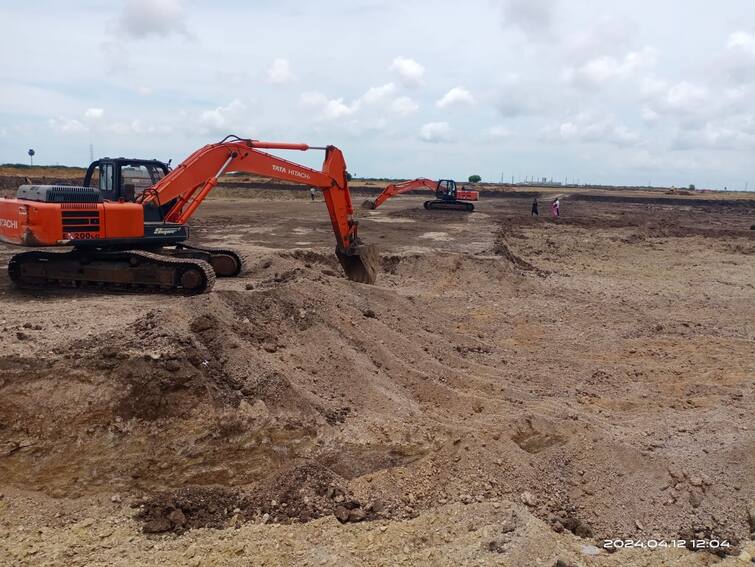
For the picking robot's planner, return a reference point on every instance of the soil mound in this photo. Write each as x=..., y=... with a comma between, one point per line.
x=446, y=383
x=299, y=492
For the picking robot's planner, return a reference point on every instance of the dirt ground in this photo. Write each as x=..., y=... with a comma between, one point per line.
x=512, y=391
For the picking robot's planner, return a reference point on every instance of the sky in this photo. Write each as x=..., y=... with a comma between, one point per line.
x=657, y=92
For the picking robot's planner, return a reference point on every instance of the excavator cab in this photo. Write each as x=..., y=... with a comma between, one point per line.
x=446, y=190
x=122, y=179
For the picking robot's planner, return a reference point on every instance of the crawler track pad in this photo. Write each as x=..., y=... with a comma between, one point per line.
x=361, y=263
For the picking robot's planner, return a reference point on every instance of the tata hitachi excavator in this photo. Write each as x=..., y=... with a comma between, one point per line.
x=127, y=225
x=447, y=195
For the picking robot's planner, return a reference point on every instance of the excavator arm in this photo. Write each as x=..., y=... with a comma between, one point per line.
x=191, y=181
x=398, y=188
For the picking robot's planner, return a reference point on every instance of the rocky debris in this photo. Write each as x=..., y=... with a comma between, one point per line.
x=566, y=519
x=350, y=511
x=186, y=508
x=528, y=498
x=508, y=525
x=695, y=498
x=298, y=493
x=203, y=323
x=590, y=550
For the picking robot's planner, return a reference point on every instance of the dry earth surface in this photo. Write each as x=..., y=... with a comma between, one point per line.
x=513, y=391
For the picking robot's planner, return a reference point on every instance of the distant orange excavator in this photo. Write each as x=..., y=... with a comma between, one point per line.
x=447, y=195
x=127, y=225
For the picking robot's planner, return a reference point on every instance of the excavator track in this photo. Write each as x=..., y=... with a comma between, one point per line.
x=449, y=206
x=121, y=271
x=225, y=262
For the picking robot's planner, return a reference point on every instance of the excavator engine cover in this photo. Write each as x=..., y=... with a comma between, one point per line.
x=58, y=194
x=360, y=263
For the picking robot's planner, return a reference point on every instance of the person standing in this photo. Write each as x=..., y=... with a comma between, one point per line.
x=534, y=212
x=312, y=193
x=555, y=208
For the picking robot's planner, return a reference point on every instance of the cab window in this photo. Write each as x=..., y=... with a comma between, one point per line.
x=106, y=178
x=140, y=176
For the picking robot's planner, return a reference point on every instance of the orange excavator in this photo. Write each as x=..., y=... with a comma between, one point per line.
x=127, y=224
x=447, y=195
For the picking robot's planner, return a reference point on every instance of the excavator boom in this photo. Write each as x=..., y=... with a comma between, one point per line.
x=191, y=181
x=398, y=188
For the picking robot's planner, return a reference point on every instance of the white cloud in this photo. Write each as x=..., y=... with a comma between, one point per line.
x=603, y=70
x=67, y=125
x=435, y=132
x=690, y=103
x=375, y=97
x=738, y=63
x=728, y=134
x=649, y=115
x=93, y=113
x=652, y=86
x=404, y=105
x=586, y=128
x=223, y=119
x=327, y=109
x=137, y=127
x=378, y=94
x=498, y=132
x=742, y=41
x=360, y=128
x=649, y=161
x=312, y=98
x=144, y=18
x=117, y=57
x=279, y=72
x=709, y=115
x=409, y=71
x=609, y=34
x=457, y=95
x=686, y=97
x=336, y=108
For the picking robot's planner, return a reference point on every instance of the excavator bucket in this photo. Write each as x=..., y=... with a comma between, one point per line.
x=361, y=263
x=368, y=204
